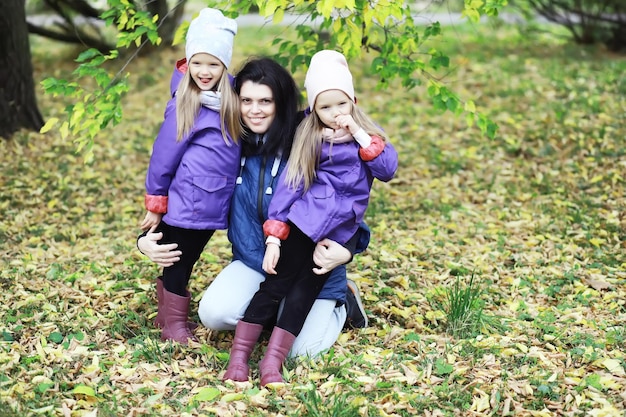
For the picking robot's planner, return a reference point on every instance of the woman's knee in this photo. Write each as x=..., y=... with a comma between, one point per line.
x=225, y=300
x=216, y=316
x=321, y=329
x=309, y=347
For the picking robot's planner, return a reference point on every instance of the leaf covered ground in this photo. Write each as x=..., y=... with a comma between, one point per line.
x=535, y=216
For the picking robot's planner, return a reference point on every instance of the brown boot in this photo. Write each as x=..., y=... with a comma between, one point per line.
x=246, y=335
x=278, y=347
x=175, y=325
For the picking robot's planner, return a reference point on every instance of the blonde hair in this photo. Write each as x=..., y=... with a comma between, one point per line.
x=188, y=106
x=307, y=146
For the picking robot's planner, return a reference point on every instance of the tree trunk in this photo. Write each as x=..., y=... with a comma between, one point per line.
x=18, y=103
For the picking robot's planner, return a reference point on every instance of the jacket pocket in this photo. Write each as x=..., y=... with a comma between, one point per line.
x=315, y=211
x=211, y=198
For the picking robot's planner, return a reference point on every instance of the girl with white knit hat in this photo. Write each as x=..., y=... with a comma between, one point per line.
x=322, y=193
x=194, y=164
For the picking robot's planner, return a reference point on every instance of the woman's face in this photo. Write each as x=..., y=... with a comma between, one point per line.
x=257, y=106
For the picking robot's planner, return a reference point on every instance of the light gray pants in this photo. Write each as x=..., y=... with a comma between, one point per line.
x=225, y=301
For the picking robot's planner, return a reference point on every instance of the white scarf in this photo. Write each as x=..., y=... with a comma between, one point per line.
x=211, y=100
x=336, y=136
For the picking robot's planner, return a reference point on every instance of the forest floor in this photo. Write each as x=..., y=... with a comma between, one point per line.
x=527, y=229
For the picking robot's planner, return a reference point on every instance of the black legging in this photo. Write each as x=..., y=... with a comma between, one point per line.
x=295, y=282
x=191, y=243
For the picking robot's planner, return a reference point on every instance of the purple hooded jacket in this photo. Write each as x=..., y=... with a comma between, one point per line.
x=195, y=176
x=336, y=202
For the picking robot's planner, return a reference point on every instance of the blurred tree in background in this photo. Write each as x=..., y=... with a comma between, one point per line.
x=589, y=21
x=18, y=103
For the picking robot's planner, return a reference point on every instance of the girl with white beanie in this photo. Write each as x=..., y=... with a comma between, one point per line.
x=194, y=164
x=322, y=193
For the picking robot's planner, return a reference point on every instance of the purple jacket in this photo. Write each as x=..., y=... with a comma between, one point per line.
x=196, y=174
x=335, y=204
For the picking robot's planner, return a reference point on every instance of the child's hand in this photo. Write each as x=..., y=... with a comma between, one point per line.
x=151, y=219
x=272, y=254
x=347, y=122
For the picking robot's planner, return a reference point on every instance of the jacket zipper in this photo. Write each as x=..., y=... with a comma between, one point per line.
x=261, y=191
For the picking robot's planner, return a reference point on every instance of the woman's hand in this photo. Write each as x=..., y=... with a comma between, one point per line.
x=162, y=255
x=272, y=254
x=328, y=255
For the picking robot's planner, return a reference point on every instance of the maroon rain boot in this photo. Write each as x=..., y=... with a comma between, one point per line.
x=278, y=347
x=159, y=320
x=246, y=335
x=176, y=310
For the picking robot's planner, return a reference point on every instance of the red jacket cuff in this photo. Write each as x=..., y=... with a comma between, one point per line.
x=156, y=203
x=372, y=151
x=276, y=228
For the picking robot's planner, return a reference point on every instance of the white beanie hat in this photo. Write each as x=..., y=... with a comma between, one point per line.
x=212, y=33
x=328, y=71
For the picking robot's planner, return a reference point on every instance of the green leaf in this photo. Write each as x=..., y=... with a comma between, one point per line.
x=6, y=336
x=442, y=367
x=472, y=15
x=593, y=380
x=84, y=390
x=87, y=55
x=413, y=337
x=55, y=337
x=43, y=387
x=207, y=394
x=437, y=61
x=470, y=106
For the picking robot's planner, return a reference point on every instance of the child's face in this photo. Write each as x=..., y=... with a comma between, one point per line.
x=332, y=103
x=206, y=70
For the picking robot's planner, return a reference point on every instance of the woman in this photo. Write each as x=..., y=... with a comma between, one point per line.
x=269, y=101
x=323, y=192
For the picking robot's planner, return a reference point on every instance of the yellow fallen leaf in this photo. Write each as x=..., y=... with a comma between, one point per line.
x=233, y=396
x=609, y=382
x=401, y=280
x=317, y=376
x=506, y=352
x=480, y=403
x=328, y=384
x=607, y=410
x=358, y=401
x=402, y=312
x=522, y=348
x=260, y=399
x=364, y=379
x=596, y=241
x=541, y=413
x=43, y=410
x=126, y=372
x=613, y=366
x=595, y=179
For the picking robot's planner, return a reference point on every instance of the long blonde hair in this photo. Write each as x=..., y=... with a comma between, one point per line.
x=307, y=146
x=188, y=106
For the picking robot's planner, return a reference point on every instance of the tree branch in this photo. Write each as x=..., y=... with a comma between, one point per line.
x=81, y=38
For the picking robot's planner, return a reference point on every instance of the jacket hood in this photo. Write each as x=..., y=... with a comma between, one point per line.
x=179, y=71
